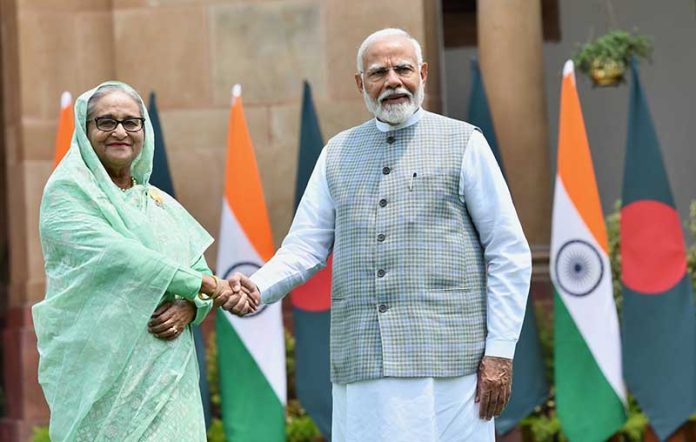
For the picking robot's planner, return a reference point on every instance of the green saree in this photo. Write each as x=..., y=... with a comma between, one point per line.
x=111, y=257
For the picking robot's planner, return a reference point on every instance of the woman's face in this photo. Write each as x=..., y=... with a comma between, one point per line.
x=116, y=148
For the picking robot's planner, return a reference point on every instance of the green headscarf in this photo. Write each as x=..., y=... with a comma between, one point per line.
x=105, y=273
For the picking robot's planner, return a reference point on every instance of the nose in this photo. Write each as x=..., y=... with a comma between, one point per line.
x=120, y=131
x=393, y=80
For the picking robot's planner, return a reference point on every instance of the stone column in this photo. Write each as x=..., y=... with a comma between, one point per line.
x=23, y=399
x=47, y=47
x=510, y=51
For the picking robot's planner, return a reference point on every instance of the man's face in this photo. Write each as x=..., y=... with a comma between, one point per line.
x=392, y=83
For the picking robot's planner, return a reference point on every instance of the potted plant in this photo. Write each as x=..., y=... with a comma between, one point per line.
x=605, y=59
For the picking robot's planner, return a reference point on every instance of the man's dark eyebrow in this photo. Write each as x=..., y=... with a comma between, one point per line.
x=376, y=69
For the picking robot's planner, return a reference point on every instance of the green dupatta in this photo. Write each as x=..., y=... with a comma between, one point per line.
x=105, y=276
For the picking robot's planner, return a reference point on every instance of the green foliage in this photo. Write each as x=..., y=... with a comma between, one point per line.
x=613, y=222
x=545, y=331
x=636, y=422
x=216, y=432
x=211, y=363
x=40, y=434
x=290, y=363
x=543, y=426
x=299, y=426
x=613, y=47
x=691, y=252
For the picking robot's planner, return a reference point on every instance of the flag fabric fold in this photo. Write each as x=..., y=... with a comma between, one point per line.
x=659, y=321
x=590, y=393
x=162, y=179
x=251, y=349
x=529, y=388
x=66, y=127
x=312, y=301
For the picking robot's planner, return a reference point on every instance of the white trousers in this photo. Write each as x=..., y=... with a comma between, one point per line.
x=409, y=410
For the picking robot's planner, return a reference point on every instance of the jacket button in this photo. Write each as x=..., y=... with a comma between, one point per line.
x=381, y=273
x=383, y=308
x=381, y=237
x=391, y=139
x=386, y=170
x=382, y=202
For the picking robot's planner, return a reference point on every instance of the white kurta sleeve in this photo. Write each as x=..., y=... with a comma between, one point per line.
x=508, y=259
x=308, y=244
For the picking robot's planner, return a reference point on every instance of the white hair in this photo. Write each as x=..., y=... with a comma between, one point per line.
x=387, y=32
x=108, y=89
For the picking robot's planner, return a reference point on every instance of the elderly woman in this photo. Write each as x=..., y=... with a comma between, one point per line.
x=125, y=278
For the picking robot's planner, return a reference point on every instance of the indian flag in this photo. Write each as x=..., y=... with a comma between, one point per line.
x=66, y=127
x=590, y=392
x=251, y=350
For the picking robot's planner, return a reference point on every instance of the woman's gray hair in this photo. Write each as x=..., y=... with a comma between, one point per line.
x=387, y=32
x=107, y=89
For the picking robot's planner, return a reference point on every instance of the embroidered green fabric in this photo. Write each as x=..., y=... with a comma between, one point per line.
x=110, y=259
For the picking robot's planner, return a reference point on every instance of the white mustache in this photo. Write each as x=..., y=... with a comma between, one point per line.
x=398, y=91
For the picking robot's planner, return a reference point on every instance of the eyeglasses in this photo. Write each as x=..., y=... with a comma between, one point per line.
x=107, y=124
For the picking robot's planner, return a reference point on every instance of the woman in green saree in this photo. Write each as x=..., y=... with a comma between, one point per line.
x=125, y=277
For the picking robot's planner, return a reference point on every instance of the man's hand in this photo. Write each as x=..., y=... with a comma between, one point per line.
x=494, y=385
x=171, y=318
x=239, y=295
x=239, y=281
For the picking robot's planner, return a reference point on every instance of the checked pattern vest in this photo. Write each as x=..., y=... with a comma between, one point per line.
x=408, y=290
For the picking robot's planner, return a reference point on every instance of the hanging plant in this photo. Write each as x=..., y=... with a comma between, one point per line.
x=606, y=58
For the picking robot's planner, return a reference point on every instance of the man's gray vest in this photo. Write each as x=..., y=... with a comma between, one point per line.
x=408, y=293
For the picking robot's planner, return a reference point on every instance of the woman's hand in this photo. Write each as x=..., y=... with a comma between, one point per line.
x=239, y=295
x=171, y=318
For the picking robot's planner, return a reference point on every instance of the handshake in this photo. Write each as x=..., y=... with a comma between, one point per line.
x=238, y=294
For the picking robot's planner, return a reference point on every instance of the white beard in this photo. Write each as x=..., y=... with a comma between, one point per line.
x=395, y=114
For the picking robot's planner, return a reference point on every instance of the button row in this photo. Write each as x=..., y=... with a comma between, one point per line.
x=381, y=237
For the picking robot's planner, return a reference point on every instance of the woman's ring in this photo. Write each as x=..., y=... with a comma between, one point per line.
x=176, y=330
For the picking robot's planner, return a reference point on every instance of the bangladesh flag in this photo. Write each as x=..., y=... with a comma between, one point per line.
x=311, y=301
x=590, y=393
x=659, y=323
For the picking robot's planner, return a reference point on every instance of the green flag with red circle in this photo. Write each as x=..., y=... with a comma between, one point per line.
x=659, y=319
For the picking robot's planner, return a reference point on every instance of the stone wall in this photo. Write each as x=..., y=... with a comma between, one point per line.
x=191, y=52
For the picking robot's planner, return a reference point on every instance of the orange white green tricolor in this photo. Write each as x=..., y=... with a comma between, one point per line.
x=251, y=350
x=66, y=127
x=590, y=392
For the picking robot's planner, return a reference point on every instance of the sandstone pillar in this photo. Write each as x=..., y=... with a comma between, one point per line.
x=511, y=58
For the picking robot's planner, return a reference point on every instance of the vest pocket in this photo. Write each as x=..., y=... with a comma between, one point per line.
x=462, y=306
x=427, y=194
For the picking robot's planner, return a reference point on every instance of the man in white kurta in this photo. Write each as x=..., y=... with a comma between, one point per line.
x=420, y=409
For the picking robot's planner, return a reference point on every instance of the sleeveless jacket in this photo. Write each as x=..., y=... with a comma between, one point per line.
x=409, y=280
